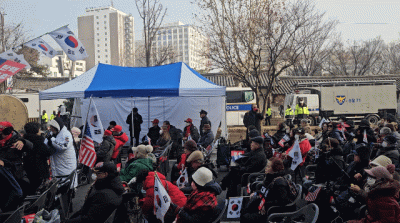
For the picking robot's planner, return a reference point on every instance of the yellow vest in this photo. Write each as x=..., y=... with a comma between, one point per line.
x=269, y=112
x=288, y=112
x=301, y=110
x=45, y=117
x=52, y=116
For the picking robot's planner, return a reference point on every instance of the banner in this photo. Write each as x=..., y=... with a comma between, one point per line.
x=8, y=68
x=96, y=128
x=10, y=55
x=236, y=154
x=40, y=45
x=295, y=153
x=69, y=43
x=234, y=207
x=162, y=201
x=183, y=179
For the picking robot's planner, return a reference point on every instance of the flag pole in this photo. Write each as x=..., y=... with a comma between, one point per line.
x=84, y=125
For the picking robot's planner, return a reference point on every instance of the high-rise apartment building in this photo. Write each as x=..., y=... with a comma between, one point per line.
x=184, y=42
x=108, y=36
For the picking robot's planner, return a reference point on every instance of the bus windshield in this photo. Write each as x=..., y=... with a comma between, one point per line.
x=239, y=96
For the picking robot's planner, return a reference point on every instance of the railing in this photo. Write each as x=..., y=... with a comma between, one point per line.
x=34, y=120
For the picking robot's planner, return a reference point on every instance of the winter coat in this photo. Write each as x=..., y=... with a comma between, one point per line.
x=360, y=135
x=253, y=161
x=206, y=139
x=137, y=121
x=200, y=205
x=162, y=142
x=381, y=204
x=204, y=121
x=397, y=135
x=188, y=187
x=63, y=161
x=391, y=152
x=253, y=118
x=12, y=157
x=154, y=134
x=120, y=140
x=133, y=169
x=177, y=197
x=102, y=199
x=279, y=194
x=326, y=167
x=106, y=149
x=194, y=133
x=279, y=135
x=305, y=146
x=336, y=134
x=35, y=161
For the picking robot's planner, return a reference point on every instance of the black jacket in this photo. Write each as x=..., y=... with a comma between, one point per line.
x=204, y=121
x=253, y=118
x=103, y=198
x=176, y=136
x=360, y=135
x=206, y=139
x=12, y=157
x=137, y=121
x=327, y=170
x=279, y=135
x=35, y=161
x=254, y=161
x=154, y=134
x=391, y=152
x=106, y=149
x=188, y=188
x=194, y=133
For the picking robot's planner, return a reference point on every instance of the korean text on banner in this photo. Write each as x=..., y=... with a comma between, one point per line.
x=69, y=43
x=8, y=68
x=295, y=153
x=10, y=55
x=40, y=45
x=96, y=127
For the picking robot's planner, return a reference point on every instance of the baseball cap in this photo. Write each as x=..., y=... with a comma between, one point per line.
x=116, y=128
x=155, y=121
x=189, y=120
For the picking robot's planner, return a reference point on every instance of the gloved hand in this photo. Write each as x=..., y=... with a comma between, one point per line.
x=49, y=140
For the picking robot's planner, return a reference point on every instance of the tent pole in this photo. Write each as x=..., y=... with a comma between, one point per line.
x=132, y=130
x=164, y=108
x=148, y=112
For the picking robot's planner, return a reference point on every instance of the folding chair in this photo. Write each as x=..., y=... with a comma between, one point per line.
x=16, y=216
x=289, y=207
x=308, y=214
x=51, y=195
x=64, y=194
x=37, y=205
x=222, y=208
x=111, y=218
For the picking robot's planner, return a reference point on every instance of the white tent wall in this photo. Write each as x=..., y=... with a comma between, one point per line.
x=173, y=109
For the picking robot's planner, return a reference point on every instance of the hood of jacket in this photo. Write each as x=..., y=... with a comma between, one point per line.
x=212, y=187
x=112, y=182
x=149, y=181
x=110, y=139
x=35, y=139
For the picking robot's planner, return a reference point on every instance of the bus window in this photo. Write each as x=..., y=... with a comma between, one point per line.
x=248, y=96
x=233, y=96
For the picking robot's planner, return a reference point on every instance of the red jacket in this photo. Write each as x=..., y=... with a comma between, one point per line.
x=181, y=164
x=121, y=140
x=305, y=146
x=176, y=195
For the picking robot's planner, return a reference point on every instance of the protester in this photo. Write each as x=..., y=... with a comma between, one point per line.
x=189, y=147
x=177, y=197
x=35, y=160
x=253, y=117
x=202, y=201
x=165, y=137
x=330, y=162
x=120, y=138
x=142, y=161
x=190, y=130
x=389, y=149
x=135, y=119
x=364, y=133
x=103, y=197
x=204, y=120
x=63, y=159
x=111, y=125
x=334, y=133
x=176, y=137
x=154, y=132
x=275, y=190
x=76, y=132
x=207, y=138
x=304, y=149
x=381, y=161
x=106, y=149
x=360, y=162
x=280, y=133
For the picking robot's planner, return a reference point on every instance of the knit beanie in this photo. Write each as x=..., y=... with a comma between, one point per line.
x=382, y=161
x=142, y=151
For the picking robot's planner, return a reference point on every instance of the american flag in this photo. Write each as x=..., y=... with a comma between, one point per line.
x=313, y=193
x=87, y=154
x=365, y=139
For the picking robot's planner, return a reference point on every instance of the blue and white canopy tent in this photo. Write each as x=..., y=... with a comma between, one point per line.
x=171, y=92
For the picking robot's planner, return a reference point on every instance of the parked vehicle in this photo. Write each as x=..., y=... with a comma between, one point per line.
x=238, y=101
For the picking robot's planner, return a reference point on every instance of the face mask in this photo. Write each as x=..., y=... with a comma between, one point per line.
x=94, y=177
x=384, y=144
x=370, y=181
x=296, y=137
x=160, y=132
x=187, y=123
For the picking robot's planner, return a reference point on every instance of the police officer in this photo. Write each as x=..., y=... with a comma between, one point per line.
x=301, y=111
x=45, y=119
x=268, y=115
x=289, y=115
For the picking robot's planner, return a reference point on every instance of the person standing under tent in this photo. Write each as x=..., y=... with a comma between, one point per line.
x=204, y=120
x=136, y=119
x=154, y=132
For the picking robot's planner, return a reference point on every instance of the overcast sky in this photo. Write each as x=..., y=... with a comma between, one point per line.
x=359, y=19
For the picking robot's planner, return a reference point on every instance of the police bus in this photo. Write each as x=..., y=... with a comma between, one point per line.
x=238, y=101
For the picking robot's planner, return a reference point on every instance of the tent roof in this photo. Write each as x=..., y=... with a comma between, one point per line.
x=172, y=80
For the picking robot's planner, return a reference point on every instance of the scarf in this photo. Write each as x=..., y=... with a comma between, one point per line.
x=203, y=200
x=5, y=140
x=188, y=130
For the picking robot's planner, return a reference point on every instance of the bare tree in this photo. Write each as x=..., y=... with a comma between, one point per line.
x=392, y=56
x=159, y=55
x=259, y=39
x=152, y=14
x=359, y=58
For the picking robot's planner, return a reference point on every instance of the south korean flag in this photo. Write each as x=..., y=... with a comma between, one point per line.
x=183, y=179
x=71, y=45
x=234, y=207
